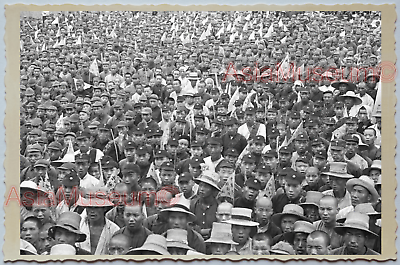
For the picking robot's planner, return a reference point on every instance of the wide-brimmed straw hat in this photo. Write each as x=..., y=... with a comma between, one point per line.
x=177, y=238
x=26, y=248
x=221, y=233
x=241, y=216
x=209, y=177
x=299, y=227
x=376, y=164
x=336, y=84
x=365, y=208
x=355, y=220
x=154, y=243
x=282, y=248
x=312, y=198
x=62, y=249
x=289, y=209
x=182, y=206
x=351, y=94
x=339, y=170
x=69, y=221
x=366, y=182
x=95, y=198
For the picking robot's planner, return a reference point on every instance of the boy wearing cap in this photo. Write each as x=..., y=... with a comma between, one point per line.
x=214, y=146
x=298, y=237
x=352, y=152
x=233, y=139
x=204, y=206
x=83, y=142
x=252, y=128
x=293, y=191
x=68, y=195
x=249, y=194
x=82, y=165
x=186, y=184
x=168, y=178
x=131, y=176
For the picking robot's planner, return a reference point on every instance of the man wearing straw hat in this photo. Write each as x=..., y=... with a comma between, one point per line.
x=243, y=229
x=154, y=245
x=355, y=232
x=362, y=190
x=177, y=242
x=94, y=224
x=66, y=231
x=221, y=239
x=298, y=237
x=179, y=216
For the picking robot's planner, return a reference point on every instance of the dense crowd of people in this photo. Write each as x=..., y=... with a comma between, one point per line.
x=200, y=133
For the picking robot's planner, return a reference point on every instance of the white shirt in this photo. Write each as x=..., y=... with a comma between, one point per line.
x=89, y=181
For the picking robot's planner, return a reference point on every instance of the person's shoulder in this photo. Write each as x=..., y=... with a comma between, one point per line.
x=80, y=251
x=337, y=251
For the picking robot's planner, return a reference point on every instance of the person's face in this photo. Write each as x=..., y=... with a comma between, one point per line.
x=287, y=223
x=249, y=193
x=95, y=214
x=82, y=167
x=301, y=146
x=317, y=246
x=240, y=233
x=351, y=148
x=359, y=195
x=130, y=178
x=214, y=150
x=118, y=246
x=293, y=122
x=312, y=177
x=300, y=243
x=247, y=167
x=311, y=212
x=133, y=217
x=263, y=213
x=42, y=212
x=205, y=190
x=185, y=185
x=327, y=210
x=261, y=247
x=354, y=241
x=45, y=242
x=374, y=174
x=30, y=232
x=219, y=248
x=177, y=220
x=292, y=190
x=40, y=170
x=337, y=184
x=63, y=236
x=337, y=155
x=271, y=161
x=369, y=136
x=250, y=118
x=33, y=157
x=301, y=167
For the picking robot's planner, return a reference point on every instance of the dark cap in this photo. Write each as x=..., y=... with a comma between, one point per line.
x=55, y=146
x=303, y=159
x=321, y=154
x=173, y=142
x=253, y=183
x=295, y=178
x=316, y=141
x=351, y=138
x=259, y=139
x=351, y=120
x=330, y=121
x=82, y=157
x=186, y=176
x=110, y=164
x=264, y=169
x=168, y=166
x=302, y=137
x=271, y=153
x=295, y=115
x=130, y=168
x=338, y=144
x=196, y=144
x=285, y=150
x=249, y=158
x=214, y=141
x=161, y=153
x=230, y=121
x=42, y=163
x=130, y=145
x=82, y=134
x=231, y=152
x=250, y=110
x=71, y=180
x=224, y=164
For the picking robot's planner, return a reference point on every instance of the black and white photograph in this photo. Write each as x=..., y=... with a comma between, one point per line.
x=254, y=133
